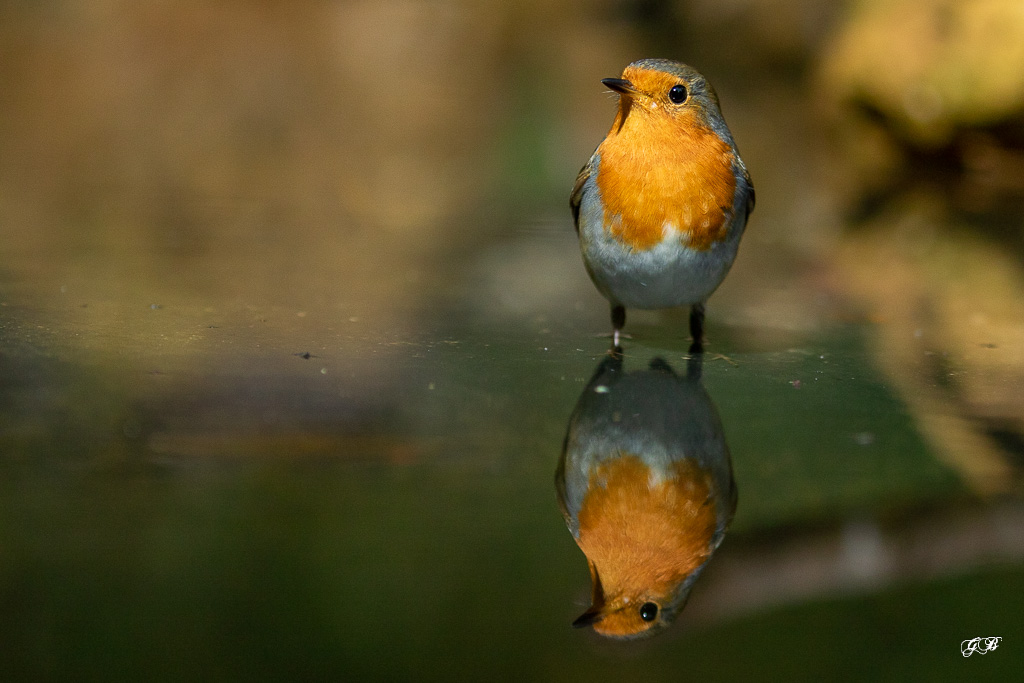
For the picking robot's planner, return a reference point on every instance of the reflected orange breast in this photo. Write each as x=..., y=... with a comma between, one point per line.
x=644, y=531
x=656, y=169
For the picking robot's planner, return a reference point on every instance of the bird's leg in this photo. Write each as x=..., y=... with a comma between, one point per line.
x=697, y=328
x=697, y=346
x=618, y=322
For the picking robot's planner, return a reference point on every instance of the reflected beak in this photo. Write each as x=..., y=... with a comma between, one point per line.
x=588, y=618
x=620, y=85
x=594, y=613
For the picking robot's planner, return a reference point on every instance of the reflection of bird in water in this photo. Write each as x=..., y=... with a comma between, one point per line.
x=645, y=484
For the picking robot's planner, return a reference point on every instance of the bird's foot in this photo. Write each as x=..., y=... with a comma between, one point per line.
x=719, y=356
x=697, y=351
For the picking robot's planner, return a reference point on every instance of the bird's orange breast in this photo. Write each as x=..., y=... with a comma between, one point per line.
x=657, y=169
x=642, y=531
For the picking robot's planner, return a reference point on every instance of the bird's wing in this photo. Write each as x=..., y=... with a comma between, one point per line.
x=576, y=198
x=751, y=196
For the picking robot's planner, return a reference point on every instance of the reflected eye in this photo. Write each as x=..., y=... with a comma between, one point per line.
x=677, y=94
x=648, y=610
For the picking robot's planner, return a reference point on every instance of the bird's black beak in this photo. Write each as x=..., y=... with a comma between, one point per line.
x=620, y=85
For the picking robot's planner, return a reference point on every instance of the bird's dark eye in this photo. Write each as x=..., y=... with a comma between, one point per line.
x=677, y=94
x=648, y=610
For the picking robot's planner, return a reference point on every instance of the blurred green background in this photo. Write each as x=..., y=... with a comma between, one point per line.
x=292, y=319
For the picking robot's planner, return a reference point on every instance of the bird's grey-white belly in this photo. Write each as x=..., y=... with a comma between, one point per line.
x=665, y=276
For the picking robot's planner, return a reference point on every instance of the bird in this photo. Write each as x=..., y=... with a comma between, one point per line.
x=662, y=203
x=646, y=488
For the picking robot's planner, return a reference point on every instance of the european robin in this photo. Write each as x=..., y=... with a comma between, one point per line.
x=662, y=203
x=646, y=488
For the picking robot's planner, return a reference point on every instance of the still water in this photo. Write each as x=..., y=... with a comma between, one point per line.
x=286, y=383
